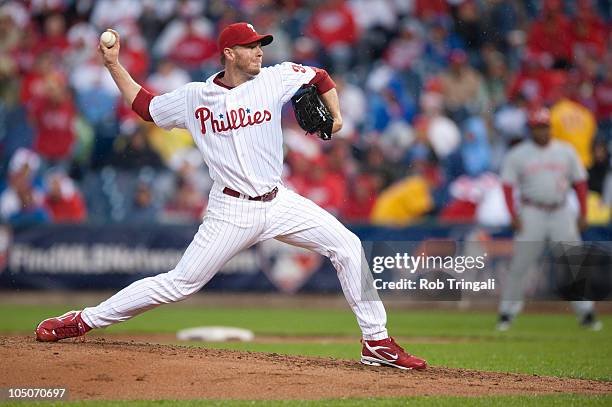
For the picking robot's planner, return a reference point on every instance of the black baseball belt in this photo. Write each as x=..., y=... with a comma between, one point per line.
x=268, y=196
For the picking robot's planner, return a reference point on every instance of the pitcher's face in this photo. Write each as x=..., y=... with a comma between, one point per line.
x=248, y=58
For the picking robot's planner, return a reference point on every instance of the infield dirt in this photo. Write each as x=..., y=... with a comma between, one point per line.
x=107, y=369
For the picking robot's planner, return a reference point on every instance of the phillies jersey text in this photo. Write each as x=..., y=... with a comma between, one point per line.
x=238, y=130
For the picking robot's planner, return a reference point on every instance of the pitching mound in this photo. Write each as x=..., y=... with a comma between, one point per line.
x=107, y=369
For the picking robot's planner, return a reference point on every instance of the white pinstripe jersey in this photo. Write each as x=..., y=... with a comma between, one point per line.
x=237, y=130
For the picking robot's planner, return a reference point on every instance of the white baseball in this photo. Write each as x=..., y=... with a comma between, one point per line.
x=108, y=39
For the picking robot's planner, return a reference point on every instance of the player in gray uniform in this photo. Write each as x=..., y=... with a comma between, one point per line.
x=542, y=170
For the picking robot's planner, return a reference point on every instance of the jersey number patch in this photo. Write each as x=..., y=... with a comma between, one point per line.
x=298, y=68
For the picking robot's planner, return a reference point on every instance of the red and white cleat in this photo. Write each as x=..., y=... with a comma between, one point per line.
x=69, y=325
x=387, y=352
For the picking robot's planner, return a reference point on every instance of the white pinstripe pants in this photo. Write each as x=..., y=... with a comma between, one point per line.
x=232, y=225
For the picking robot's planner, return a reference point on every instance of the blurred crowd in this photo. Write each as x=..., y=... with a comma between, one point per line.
x=433, y=93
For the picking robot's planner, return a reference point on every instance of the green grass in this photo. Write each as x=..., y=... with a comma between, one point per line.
x=550, y=344
x=421, y=401
x=308, y=322
x=546, y=344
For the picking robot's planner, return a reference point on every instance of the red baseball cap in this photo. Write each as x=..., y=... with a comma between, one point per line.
x=241, y=34
x=539, y=117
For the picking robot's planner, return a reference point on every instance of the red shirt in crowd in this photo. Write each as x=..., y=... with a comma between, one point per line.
x=603, y=98
x=333, y=25
x=589, y=31
x=360, y=200
x=136, y=62
x=69, y=209
x=192, y=50
x=312, y=179
x=458, y=211
x=327, y=190
x=57, y=45
x=34, y=84
x=541, y=85
x=53, y=122
x=552, y=35
x=24, y=54
x=427, y=9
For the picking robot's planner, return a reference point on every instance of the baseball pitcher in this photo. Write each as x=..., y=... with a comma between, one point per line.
x=234, y=118
x=542, y=170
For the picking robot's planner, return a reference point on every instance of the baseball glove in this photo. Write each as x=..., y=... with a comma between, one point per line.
x=311, y=114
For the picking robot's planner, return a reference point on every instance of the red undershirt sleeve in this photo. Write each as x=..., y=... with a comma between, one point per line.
x=581, y=189
x=509, y=197
x=141, y=104
x=322, y=81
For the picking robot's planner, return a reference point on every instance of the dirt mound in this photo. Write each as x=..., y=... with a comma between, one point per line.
x=101, y=368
